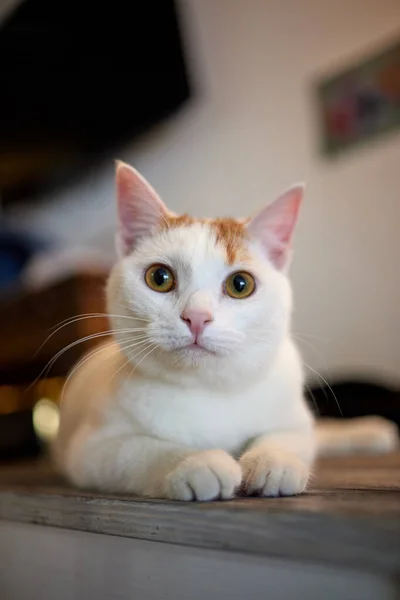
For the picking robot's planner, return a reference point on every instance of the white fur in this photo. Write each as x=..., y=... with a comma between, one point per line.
x=156, y=419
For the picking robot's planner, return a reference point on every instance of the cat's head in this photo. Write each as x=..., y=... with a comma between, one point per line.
x=205, y=298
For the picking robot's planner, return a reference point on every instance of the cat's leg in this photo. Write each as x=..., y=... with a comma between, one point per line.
x=278, y=464
x=147, y=466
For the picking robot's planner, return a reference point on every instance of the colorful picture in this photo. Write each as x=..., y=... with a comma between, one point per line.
x=361, y=102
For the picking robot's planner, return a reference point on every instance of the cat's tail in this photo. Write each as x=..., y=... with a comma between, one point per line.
x=364, y=435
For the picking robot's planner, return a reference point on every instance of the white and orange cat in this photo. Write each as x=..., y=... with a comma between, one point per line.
x=201, y=393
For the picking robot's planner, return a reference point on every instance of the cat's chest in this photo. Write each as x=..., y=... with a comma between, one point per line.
x=202, y=419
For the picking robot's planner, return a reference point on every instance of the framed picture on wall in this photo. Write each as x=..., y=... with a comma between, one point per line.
x=361, y=102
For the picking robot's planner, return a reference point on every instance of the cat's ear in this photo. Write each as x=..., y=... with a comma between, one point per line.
x=140, y=209
x=274, y=225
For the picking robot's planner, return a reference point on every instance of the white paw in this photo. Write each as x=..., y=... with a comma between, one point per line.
x=204, y=476
x=272, y=473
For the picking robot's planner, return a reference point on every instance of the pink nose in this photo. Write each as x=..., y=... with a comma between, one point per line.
x=196, y=320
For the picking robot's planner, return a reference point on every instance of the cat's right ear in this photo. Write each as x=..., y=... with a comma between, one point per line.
x=140, y=209
x=274, y=225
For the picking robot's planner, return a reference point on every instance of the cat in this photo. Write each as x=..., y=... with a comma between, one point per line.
x=200, y=395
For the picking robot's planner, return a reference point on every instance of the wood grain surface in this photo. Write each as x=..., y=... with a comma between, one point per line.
x=350, y=517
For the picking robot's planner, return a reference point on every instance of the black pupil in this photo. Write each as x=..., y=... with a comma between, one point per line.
x=239, y=283
x=160, y=276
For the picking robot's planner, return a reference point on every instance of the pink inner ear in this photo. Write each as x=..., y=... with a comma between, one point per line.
x=140, y=209
x=274, y=225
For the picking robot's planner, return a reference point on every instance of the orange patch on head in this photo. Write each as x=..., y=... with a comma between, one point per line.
x=172, y=221
x=231, y=235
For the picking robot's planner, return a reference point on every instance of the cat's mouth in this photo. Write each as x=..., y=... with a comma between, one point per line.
x=196, y=347
x=193, y=348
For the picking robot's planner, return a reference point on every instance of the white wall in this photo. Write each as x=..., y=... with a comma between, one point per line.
x=252, y=133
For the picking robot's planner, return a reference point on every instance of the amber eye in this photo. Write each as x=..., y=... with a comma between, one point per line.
x=240, y=285
x=160, y=278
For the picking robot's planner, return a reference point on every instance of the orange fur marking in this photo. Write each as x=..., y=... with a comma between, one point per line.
x=172, y=221
x=229, y=233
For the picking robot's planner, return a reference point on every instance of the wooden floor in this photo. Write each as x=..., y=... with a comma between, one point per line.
x=337, y=486
x=349, y=517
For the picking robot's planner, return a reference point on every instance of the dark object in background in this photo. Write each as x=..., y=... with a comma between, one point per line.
x=80, y=78
x=16, y=250
x=356, y=399
x=17, y=436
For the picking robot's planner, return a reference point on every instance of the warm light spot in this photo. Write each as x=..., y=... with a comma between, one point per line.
x=46, y=419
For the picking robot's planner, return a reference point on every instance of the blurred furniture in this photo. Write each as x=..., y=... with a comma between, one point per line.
x=340, y=540
x=27, y=320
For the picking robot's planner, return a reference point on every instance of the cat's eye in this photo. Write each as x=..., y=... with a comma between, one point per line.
x=160, y=278
x=240, y=285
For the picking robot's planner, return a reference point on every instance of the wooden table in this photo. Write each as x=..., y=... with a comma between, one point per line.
x=340, y=540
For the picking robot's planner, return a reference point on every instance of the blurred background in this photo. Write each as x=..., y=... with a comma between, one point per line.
x=221, y=104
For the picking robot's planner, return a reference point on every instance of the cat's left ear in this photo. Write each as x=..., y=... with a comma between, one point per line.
x=274, y=225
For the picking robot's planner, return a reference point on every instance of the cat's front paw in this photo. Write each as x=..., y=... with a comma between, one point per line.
x=204, y=476
x=273, y=473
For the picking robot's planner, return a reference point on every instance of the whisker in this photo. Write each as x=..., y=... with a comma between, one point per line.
x=95, y=352
x=132, y=358
x=72, y=320
x=317, y=352
x=87, y=338
x=81, y=362
x=129, y=358
x=328, y=386
x=296, y=339
x=81, y=341
x=128, y=344
x=142, y=359
x=97, y=315
x=315, y=337
x=312, y=398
